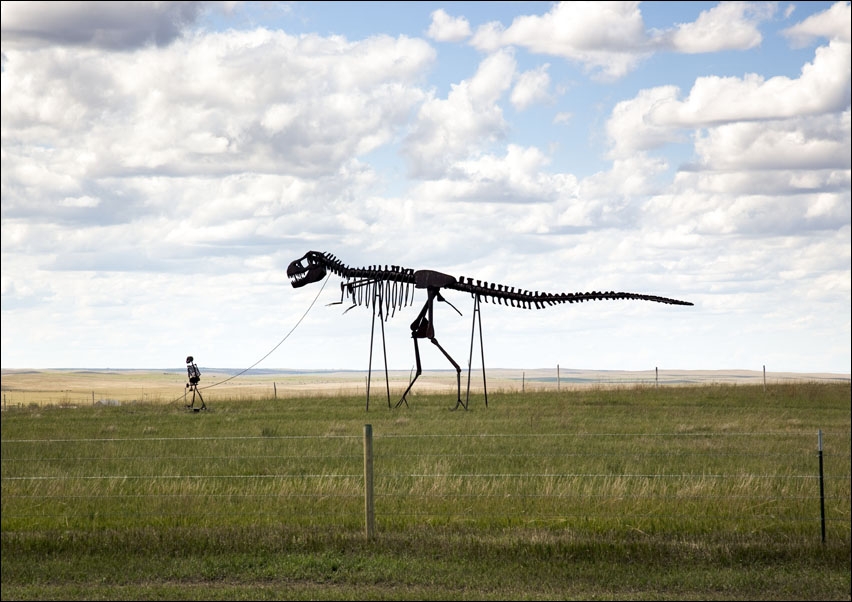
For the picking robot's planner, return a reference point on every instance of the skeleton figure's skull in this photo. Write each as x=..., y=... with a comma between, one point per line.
x=307, y=269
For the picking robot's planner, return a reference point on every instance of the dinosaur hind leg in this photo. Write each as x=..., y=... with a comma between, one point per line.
x=458, y=372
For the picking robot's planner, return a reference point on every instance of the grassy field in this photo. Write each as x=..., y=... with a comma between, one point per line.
x=639, y=492
x=90, y=387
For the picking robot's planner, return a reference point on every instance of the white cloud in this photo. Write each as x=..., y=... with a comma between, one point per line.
x=610, y=39
x=466, y=121
x=810, y=143
x=726, y=26
x=445, y=28
x=699, y=208
x=487, y=37
x=657, y=116
x=519, y=176
x=823, y=86
x=607, y=38
x=629, y=128
x=630, y=177
x=833, y=24
x=302, y=104
x=532, y=87
x=172, y=184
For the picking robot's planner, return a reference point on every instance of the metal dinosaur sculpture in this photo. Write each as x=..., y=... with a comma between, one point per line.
x=388, y=289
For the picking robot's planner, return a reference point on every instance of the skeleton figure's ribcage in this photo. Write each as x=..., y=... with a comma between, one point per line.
x=385, y=294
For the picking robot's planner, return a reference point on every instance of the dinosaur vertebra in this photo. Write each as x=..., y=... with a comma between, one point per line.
x=389, y=288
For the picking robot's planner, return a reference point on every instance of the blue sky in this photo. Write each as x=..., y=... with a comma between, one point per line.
x=162, y=163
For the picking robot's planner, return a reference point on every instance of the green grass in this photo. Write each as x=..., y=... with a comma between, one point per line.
x=648, y=493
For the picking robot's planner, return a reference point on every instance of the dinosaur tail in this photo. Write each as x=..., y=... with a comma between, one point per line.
x=504, y=295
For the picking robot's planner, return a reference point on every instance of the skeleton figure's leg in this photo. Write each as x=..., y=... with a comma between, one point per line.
x=422, y=328
x=194, y=391
x=458, y=372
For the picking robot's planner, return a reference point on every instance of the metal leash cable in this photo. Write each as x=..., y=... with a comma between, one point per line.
x=276, y=346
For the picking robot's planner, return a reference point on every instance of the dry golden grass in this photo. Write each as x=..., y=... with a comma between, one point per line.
x=89, y=387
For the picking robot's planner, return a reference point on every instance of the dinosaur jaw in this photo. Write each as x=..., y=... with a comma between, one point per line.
x=306, y=270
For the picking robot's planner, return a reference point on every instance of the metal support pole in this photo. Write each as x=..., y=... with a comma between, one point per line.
x=477, y=313
x=385, y=355
x=377, y=308
x=370, y=366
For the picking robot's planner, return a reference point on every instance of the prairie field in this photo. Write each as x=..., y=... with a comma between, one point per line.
x=290, y=487
x=90, y=387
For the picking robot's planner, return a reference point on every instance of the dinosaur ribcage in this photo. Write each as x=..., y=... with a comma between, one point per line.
x=385, y=289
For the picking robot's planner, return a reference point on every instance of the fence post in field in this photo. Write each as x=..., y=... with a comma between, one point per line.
x=821, y=486
x=274, y=390
x=557, y=378
x=369, y=509
x=656, y=376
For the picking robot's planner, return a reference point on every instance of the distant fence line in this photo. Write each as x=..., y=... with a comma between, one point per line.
x=431, y=381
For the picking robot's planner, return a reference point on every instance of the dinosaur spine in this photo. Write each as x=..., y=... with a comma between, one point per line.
x=392, y=285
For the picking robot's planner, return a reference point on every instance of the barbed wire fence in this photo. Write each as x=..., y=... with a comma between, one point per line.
x=771, y=482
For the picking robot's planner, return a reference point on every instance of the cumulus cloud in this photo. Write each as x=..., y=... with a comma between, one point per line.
x=607, y=38
x=824, y=86
x=532, y=87
x=833, y=24
x=772, y=155
x=810, y=143
x=306, y=106
x=629, y=128
x=726, y=26
x=447, y=130
x=445, y=28
x=217, y=157
x=518, y=176
x=657, y=116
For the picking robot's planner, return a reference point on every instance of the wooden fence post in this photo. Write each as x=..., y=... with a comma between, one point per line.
x=369, y=509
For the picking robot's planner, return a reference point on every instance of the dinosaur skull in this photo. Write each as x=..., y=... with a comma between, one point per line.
x=307, y=269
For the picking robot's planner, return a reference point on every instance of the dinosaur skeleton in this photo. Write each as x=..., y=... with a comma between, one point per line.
x=389, y=288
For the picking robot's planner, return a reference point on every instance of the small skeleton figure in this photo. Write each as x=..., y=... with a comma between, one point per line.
x=194, y=375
